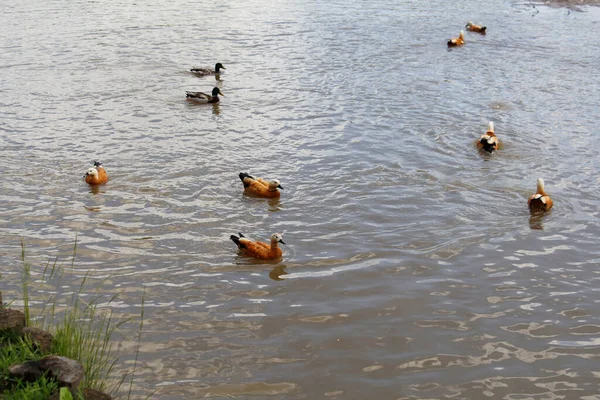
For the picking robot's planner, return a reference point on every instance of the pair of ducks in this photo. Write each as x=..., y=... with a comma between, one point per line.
x=538, y=201
x=460, y=40
x=259, y=187
x=204, y=98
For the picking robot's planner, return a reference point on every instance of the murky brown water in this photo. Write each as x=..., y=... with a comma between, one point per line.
x=413, y=269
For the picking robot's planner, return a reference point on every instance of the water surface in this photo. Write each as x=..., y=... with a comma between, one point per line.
x=413, y=268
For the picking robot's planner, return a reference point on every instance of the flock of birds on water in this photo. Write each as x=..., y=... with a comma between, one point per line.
x=258, y=187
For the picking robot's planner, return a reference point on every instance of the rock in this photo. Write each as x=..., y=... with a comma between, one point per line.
x=65, y=371
x=88, y=394
x=12, y=320
x=29, y=371
x=40, y=338
x=91, y=394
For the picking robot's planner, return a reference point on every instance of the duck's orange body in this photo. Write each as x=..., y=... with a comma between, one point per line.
x=488, y=141
x=458, y=41
x=260, y=187
x=540, y=200
x=260, y=250
x=96, y=175
x=475, y=28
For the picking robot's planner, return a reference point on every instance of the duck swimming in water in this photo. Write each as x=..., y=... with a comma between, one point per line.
x=260, y=187
x=203, y=98
x=488, y=141
x=96, y=175
x=260, y=250
x=540, y=200
x=208, y=71
x=459, y=41
x=475, y=28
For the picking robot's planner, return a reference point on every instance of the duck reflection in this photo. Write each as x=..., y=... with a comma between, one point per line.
x=274, y=205
x=535, y=220
x=277, y=272
x=216, y=109
x=94, y=189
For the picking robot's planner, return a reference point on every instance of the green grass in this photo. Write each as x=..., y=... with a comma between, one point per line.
x=81, y=331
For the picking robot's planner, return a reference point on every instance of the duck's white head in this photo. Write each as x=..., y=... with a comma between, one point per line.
x=277, y=238
x=91, y=172
x=491, y=127
x=540, y=185
x=462, y=34
x=274, y=184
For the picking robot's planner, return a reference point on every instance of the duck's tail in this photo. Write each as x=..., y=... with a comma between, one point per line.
x=97, y=164
x=244, y=175
x=236, y=240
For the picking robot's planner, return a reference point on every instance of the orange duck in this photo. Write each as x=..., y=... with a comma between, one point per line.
x=488, y=141
x=260, y=250
x=96, y=175
x=540, y=200
x=475, y=28
x=260, y=187
x=459, y=41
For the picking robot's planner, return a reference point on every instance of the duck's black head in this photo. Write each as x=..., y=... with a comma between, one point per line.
x=216, y=92
x=219, y=66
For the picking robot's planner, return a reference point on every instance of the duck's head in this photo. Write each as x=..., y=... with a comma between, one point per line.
x=277, y=238
x=462, y=34
x=91, y=172
x=468, y=24
x=216, y=91
x=274, y=184
x=219, y=66
x=540, y=185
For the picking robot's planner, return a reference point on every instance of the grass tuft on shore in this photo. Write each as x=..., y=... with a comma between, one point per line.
x=82, y=331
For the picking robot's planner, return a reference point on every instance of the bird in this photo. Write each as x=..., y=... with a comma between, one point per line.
x=260, y=250
x=540, y=200
x=488, y=141
x=459, y=41
x=475, y=28
x=208, y=71
x=203, y=98
x=96, y=175
x=260, y=187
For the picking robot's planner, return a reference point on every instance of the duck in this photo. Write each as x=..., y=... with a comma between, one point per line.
x=260, y=250
x=203, y=98
x=459, y=41
x=488, y=141
x=540, y=200
x=208, y=71
x=260, y=187
x=475, y=28
x=96, y=175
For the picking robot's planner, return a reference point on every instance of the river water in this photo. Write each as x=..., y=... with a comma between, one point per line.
x=412, y=269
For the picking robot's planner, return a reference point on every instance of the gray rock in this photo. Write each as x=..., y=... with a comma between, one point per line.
x=40, y=338
x=12, y=320
x=65, y=371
